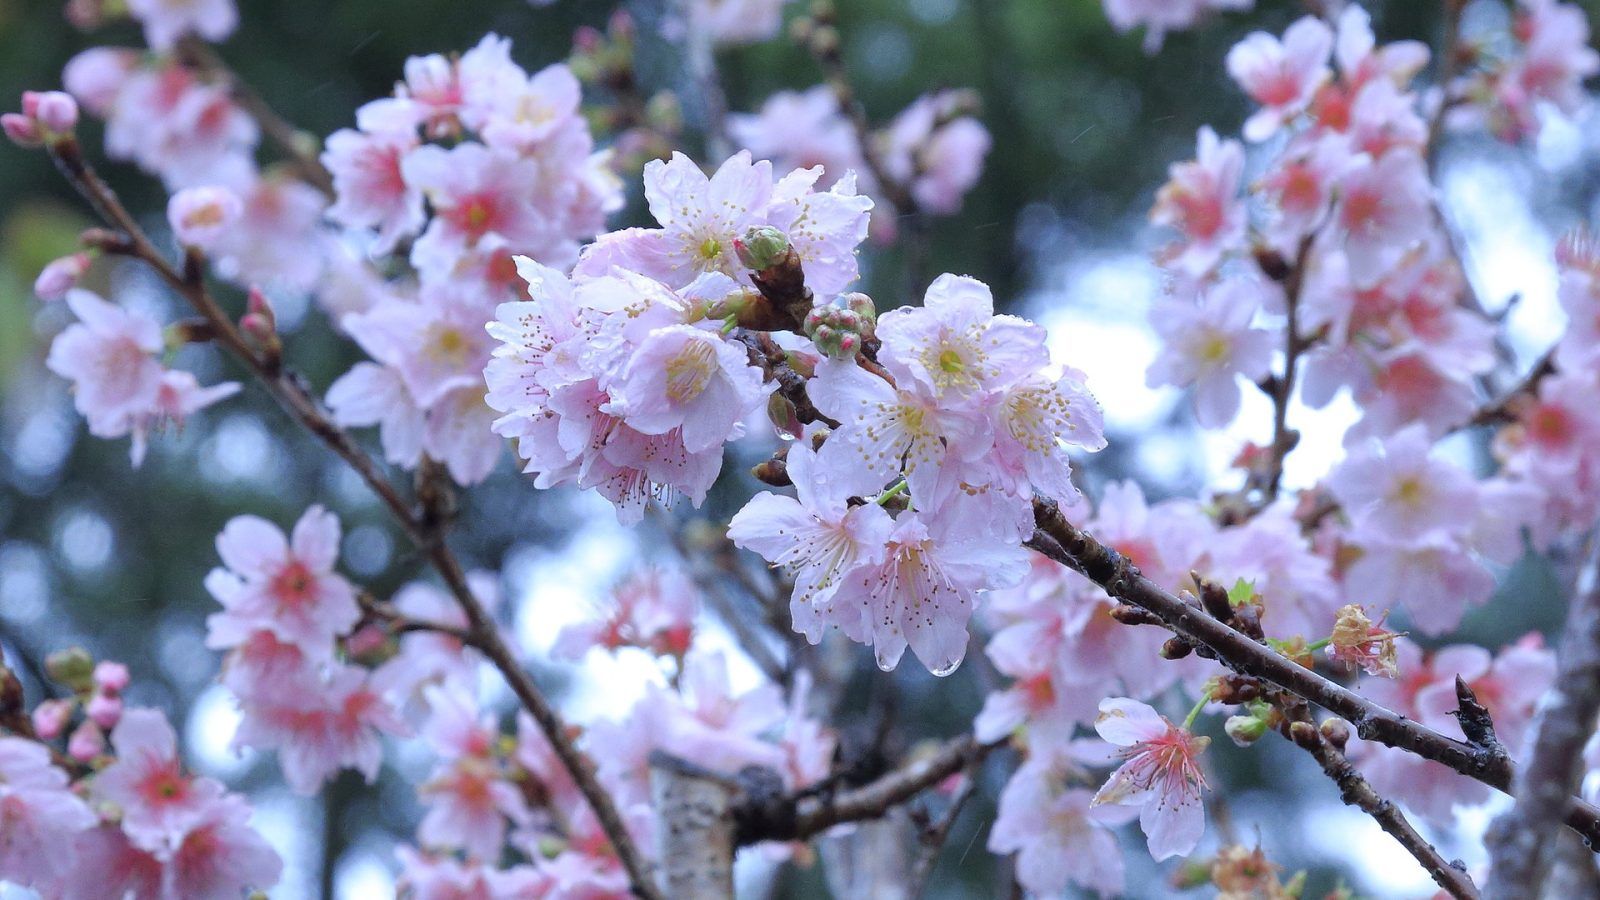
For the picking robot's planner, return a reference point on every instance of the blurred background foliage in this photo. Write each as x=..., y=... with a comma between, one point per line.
x=92, y=552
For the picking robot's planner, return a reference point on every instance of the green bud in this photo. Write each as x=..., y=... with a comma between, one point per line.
x=762, y=248
x=1245, y=730
x=73, y=667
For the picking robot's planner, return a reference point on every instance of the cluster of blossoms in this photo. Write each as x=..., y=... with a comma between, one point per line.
x=1340, y=224
x=918, y=442
x=1548, y=59
x=94, y=819
x=624, y=377
x=471, y=162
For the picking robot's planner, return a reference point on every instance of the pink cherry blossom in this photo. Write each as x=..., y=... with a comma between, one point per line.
x=1282, y=77
x=1161, y=16
x=1397, y=489
x=201, y=215
x=286, y=586
x=1060, y=837
x=936, y=151
x=165, y=21
x=318, y=732
x=817, y=535
x=1161, y=775
x=654, y=609
x=800, y=130
x=1383, y=210
x=922, y=593
x=109, y=356
x=1201, y=202
x=371, y=190
x=222, y=856
x=475, y=192
x=687, y=378
x=1210, y=344
x=700, y=218
x=159, y=803
x=39, y=815
x=736, y=21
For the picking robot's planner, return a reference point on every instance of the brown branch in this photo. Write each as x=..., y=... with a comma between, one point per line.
x=1065, y=543
x=1284, y=440
x=1355, y=791
x=1519, y=842
x=424, y=531
x=1504, y=409
x=798, y=817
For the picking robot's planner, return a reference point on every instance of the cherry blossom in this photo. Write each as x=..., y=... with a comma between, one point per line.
x=1210, y=344
x=1282, y=77
x=38, y=814
x=1201, y=202
x=286, y=586
x=1161, y=775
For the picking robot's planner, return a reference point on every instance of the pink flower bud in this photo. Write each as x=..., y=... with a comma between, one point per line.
x=104, y=710
x=87, y=742
x=60, y=276
x=200, y=215
x=365, y=641
x=22, y=131
x=50, y=718
x=56, y=111
x=112, y=677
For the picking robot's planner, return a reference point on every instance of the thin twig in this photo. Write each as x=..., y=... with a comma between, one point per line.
x=1283, y=440
x=425, y=532
x=1519, y=842
x=1355, y=791
x=934, y=836
x=1065, y=543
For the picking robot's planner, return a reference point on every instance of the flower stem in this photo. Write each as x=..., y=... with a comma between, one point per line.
x=895, y=490
x=1188, y=721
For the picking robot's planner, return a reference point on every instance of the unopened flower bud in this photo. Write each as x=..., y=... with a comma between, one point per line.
x=1305, y=734
x=1245, y=730
x=1176, y=648
x=201, y=215
x=22, y=131
x=1337, y=732
x=761, y=248
x=87, y=742
x=866, y=312
x=104, y=710
x=259, y=321
x=785, y=418
x=60, y=275
x=50, y=718
x=55, y=111
x=367, y=644
x=72, y=667
x=111, y=677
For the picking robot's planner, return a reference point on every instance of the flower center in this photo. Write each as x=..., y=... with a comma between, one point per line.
x=689, y=372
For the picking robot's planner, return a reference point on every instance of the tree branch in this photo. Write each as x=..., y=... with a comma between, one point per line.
x=798, y=817
x=1355, y=791
x=1065, y=543
x=1519, y=842
x=424, y=531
